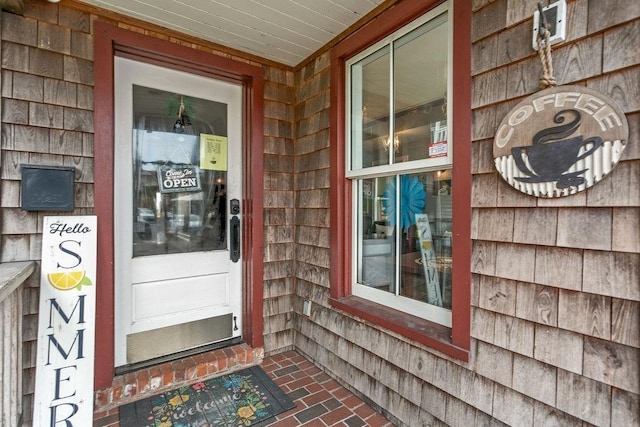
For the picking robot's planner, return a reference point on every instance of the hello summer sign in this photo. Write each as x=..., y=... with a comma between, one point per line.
x=66, y=328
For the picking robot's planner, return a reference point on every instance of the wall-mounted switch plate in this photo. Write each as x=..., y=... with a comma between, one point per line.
x=556, y=17
x=306, y=308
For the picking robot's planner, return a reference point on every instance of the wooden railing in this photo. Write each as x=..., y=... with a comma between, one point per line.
x=12, y=275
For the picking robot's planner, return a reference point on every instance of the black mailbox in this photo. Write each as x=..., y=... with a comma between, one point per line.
x=47, y=188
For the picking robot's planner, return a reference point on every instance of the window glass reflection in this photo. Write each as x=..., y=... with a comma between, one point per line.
x=398, y=99
x=405, y=235
x=420, y=113
x=370, y=97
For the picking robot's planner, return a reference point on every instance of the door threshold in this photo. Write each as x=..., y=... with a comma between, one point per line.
x=121, y=370
x=200, y=364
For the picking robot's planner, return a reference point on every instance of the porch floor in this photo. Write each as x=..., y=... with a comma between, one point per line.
x=320, y=400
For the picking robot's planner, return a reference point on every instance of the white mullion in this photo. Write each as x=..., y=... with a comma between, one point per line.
x=358, y=232
x=448, y=103
x=398, y=234
x=354, y=126
x=392, y=124
x=392, y=116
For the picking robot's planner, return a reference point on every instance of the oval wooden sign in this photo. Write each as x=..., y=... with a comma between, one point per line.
x=560, y=141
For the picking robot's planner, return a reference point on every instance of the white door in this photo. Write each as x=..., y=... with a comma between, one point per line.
x=177, y=190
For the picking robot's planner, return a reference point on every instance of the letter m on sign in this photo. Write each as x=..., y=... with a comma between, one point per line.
x=79, y=337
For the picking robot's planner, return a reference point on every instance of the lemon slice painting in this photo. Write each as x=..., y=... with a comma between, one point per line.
x=65, y=280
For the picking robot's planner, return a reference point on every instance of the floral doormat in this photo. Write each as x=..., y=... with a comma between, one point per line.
x=243, y=398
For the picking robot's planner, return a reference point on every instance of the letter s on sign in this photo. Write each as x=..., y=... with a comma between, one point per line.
x=70, y=252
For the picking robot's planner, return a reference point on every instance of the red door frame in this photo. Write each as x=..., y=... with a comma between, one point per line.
x=108, y=42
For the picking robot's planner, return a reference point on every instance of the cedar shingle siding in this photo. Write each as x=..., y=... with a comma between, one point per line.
x=556, y=282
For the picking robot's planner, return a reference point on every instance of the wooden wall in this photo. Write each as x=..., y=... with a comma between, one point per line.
x=278, y=210
x=47, y=118
x=556, y=282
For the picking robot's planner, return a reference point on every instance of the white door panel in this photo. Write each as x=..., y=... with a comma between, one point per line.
x=161, y=267
x=205, y=292
x=172, y=260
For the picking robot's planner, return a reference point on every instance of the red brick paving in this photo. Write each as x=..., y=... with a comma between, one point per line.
x=342, y=408
x=320, y=400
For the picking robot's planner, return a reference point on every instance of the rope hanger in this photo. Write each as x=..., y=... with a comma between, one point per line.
x=544, y=51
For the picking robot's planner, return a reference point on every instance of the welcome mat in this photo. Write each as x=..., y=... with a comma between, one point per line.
x=244, y=398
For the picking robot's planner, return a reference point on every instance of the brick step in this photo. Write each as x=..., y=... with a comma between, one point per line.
x=157, y=379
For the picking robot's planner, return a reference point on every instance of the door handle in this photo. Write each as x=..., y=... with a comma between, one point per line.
x=235, y=238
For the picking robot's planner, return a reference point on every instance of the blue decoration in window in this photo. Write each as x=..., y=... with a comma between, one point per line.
x=412, y=201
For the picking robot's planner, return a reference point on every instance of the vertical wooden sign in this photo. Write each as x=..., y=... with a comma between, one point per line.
x=434, y=294
x=66, y=326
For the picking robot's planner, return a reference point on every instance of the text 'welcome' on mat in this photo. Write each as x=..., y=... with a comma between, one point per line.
x=244, y=398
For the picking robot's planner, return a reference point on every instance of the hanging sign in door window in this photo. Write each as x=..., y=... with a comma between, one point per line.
x=176, y=178
x=213, y=152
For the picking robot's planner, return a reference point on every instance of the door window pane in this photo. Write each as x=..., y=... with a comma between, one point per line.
x=179, y=202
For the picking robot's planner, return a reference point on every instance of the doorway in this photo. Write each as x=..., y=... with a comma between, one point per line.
x=177, y=211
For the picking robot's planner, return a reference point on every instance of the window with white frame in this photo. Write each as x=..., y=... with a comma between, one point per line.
x=399, y=158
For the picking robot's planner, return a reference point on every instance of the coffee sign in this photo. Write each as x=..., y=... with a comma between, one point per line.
x=560, y=141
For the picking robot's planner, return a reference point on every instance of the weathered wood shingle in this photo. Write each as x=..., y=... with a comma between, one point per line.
x=625, y=322
x=559, y=348
x=495, y=363
x=574, y=390
x=537, y=303
x=613, y=274
x=585, y=313
x=612, y=363
x=620, y=46
x=543, y=388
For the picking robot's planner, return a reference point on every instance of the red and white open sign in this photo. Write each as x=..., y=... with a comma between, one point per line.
x=438, y=149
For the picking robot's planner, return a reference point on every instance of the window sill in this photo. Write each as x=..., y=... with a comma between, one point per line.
x=428, y=333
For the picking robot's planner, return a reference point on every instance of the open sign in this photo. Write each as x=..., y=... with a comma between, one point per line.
x=176, y=178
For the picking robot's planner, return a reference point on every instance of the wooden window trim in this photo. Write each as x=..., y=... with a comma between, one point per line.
x=454, y=341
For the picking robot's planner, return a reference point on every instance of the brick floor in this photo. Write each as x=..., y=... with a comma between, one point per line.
x=320, y=401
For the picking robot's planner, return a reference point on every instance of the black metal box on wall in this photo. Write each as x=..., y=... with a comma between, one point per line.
x=47, y=188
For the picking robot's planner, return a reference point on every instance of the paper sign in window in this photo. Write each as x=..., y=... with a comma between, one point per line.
x=213, y=152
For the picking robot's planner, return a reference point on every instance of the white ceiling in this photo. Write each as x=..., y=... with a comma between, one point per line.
x=285, y=31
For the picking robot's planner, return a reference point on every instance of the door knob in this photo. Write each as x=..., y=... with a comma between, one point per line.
x=235, y=238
